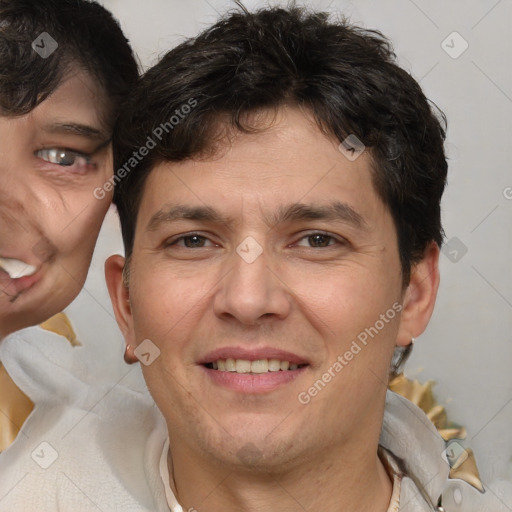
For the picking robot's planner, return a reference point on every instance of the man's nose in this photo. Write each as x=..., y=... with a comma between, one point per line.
x=251, y=289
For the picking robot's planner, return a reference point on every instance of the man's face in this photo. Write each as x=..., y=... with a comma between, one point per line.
x=51, y=161
x=279, y=251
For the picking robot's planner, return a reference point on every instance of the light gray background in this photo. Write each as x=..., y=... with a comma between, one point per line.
x=467, y=348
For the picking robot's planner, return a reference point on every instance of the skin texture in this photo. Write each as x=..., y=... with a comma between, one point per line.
x=235, y=450
x=49, y=217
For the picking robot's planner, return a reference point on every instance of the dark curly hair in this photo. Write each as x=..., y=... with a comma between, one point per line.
x=345, y=75
x=87, y=36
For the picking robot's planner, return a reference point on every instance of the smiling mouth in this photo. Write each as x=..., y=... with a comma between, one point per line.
x=259, y=366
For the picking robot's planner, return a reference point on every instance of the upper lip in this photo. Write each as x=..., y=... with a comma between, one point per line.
x=251, y=355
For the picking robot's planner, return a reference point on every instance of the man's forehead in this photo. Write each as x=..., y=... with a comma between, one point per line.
x=290, y=171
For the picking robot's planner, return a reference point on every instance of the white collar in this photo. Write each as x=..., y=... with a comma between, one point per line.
x=164, y=473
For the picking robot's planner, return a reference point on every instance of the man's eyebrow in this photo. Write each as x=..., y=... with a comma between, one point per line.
x=81, y=130
x=335, y=211
x=182, y=212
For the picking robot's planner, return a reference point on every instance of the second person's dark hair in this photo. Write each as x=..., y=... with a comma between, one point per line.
x=87, y=36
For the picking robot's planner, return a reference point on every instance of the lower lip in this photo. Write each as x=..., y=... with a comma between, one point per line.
x=14, y=287
x=253, y=382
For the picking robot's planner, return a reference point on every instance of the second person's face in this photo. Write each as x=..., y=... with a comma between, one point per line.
x=52, y=159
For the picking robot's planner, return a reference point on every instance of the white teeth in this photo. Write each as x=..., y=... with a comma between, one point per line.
x=17, y=268
x=274, y=365
x=258, y=366
x=243, y=366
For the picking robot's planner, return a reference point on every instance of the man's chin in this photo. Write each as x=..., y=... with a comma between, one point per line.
x=253, y=449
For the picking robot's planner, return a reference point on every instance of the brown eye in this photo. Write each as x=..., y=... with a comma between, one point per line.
x=193, y=241
x=317, y=240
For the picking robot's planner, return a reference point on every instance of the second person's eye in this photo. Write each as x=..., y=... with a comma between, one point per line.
x=64, y=157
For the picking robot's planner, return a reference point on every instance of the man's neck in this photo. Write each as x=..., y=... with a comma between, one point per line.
x=341, y=483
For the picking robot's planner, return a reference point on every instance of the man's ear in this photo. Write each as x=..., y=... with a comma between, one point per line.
x=120, y=297
x=420, y=296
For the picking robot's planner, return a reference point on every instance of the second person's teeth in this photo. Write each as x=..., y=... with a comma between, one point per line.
x=17, y=268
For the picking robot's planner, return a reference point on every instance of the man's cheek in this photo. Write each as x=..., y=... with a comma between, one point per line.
x=165, y=379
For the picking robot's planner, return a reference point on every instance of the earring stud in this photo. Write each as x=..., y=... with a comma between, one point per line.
x=127, y=354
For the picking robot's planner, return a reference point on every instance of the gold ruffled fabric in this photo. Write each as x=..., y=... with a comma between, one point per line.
x=15, y=406
x=60, y=324
x=464, y=467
